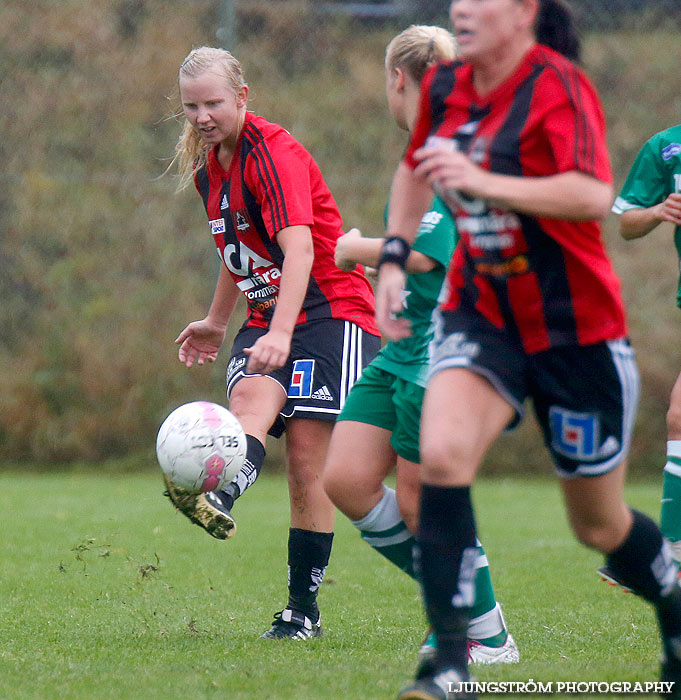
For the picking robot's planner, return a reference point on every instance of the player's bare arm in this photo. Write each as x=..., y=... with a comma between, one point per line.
x=572, y=195
x=272, y=350
x=201, y=340
x=352, y=249
x=636, y=223
x=410, y=198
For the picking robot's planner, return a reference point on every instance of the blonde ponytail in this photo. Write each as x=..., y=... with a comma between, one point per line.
x=418, y=47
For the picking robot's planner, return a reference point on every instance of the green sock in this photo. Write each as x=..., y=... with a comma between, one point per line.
x=384, y=530
x=487, y=623
x=670, y=514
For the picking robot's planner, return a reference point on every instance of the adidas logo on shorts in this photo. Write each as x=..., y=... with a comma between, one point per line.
x=322, y=394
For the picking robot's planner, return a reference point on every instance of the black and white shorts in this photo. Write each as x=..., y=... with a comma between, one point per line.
x=585, y=397
x=327, y=357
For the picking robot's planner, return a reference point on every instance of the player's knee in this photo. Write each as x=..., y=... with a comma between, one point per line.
x=442, y=461
x=303, y=475
x=335, y=486
x=247, y=412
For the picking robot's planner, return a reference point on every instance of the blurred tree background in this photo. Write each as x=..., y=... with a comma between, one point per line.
x=102, y=263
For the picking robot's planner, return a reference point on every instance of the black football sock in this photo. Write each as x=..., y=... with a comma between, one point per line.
x=308, y=557
x=255, y=456
x=643, y=562
x=447, y=552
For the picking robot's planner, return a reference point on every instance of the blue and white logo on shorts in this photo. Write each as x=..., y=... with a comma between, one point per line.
x=574, y=435
x=301, y=379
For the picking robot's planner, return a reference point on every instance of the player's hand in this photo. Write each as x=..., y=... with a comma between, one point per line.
x=449, y=171
x=269, y=352
x=200, y=341
x=389, y=296
x=670, y=209
x=343, y=248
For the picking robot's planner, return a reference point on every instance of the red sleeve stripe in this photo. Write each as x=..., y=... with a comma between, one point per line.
x=584, y=152
x=267, y=172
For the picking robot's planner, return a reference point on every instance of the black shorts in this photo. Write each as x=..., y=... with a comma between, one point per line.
x=585, y=396
x=327, y=357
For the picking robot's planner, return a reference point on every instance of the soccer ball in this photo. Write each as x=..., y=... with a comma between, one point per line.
x=201, y=446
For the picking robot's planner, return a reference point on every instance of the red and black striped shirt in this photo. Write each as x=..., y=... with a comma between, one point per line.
x=273, y=183
x=549, y=281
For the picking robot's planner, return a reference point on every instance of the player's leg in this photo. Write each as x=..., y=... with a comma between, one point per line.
x=311, y=532
x=636, y=553
x=256, y=402
x=360, y=458
x=586, y=400
x=327, y=357
x=670, y=514
x=462, y=416
x=489, y=641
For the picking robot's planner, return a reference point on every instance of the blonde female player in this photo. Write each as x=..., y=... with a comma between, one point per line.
x=533, y=309
x=309, y=329
x=378, y=429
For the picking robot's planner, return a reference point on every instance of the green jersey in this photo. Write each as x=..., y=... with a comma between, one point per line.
x=436, y=238
x=655, y=174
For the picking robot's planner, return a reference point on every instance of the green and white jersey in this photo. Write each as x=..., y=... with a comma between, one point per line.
x=655, y=174
x=436, y=238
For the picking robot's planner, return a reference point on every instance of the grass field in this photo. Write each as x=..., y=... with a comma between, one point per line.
x=106, y=593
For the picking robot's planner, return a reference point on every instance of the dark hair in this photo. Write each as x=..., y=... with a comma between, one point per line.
x=555, y=28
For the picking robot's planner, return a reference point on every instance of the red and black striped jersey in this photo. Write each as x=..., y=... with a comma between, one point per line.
x=273, y=183
x=548, y=280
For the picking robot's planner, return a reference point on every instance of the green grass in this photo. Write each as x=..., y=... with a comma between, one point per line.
x=106, y=593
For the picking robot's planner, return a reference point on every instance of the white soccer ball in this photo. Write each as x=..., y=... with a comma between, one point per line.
x=201, y=446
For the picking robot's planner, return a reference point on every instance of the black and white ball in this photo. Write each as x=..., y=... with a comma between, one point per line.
x=201, y=446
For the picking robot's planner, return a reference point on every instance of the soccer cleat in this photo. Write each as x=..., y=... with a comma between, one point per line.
x=293, y=624
x=507, y=653
x=204, y=509
x=609, y=576
x=444, y=685
x=478, y=653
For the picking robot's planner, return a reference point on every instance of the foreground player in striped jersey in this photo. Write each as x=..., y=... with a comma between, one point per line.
x=378, y=430
x=650, y=196
x=309, y=329
x=532, y=310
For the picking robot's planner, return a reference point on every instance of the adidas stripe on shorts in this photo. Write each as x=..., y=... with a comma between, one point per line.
x=327, y=357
